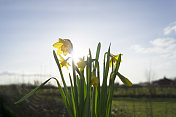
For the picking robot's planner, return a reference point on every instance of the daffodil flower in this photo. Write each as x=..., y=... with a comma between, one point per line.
x=63, y=62
x=64, y=46
x=94, y=81
x=114, y=59
x=81, y=64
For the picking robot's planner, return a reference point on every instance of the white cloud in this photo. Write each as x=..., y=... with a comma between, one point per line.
x=166, y=46
x=153, y=49
x=172, y=28
x=163, y=42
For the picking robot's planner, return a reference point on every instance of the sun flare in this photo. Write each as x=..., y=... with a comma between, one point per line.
x=77, y=56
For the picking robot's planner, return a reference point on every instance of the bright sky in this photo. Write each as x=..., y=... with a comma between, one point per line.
x=143, y=30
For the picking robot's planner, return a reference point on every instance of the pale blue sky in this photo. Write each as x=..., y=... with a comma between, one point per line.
x=143, y=30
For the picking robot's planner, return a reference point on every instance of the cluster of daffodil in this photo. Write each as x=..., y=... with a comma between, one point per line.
x=87, y=98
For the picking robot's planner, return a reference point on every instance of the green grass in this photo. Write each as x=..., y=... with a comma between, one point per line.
x=138, y=107
x=144, y=107
x=146, y=91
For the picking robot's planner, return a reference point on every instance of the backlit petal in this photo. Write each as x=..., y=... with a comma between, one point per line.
x=59, y=52
x=81, y=64
x=57, y=45
x=94, y=81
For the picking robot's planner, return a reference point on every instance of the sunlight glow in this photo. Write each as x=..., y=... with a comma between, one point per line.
x=77, y=56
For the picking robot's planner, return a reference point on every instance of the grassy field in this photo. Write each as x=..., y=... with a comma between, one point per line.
x=144, y=107
x=145, y=92
x=127, y=102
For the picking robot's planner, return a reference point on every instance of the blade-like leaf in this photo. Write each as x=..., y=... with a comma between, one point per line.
x=72, y=96
x=98, y=53
x=103, y=97
x=32, y=92
x=75, y=89
x=124, y=80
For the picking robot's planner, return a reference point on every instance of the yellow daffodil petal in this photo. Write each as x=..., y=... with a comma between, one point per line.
x=81, y=64
x=110, y=62
x=94, y=81
x=59, y=52
x=63, y=62
x=65, y=52
x=61, y=40
x=114, y=59
x=62, y=59
x=68, y=64
x=64, y=46
x=66, y=67
x=57, y=45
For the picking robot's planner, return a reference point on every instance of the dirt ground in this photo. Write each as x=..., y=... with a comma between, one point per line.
x=36, y=106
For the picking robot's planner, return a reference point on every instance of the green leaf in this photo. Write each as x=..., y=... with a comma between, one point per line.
x=93, y=102
x=98, y=53
x=98, y=50
x=104, y=94
x=32, y=92
x=110, y=93
x=70, y=111
x=118, y=63
x=81, y=95
x=124, y=80
x=61, y=74
x=88, y=95
x=72, y=96
x=75, y=89
x=69, y=98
